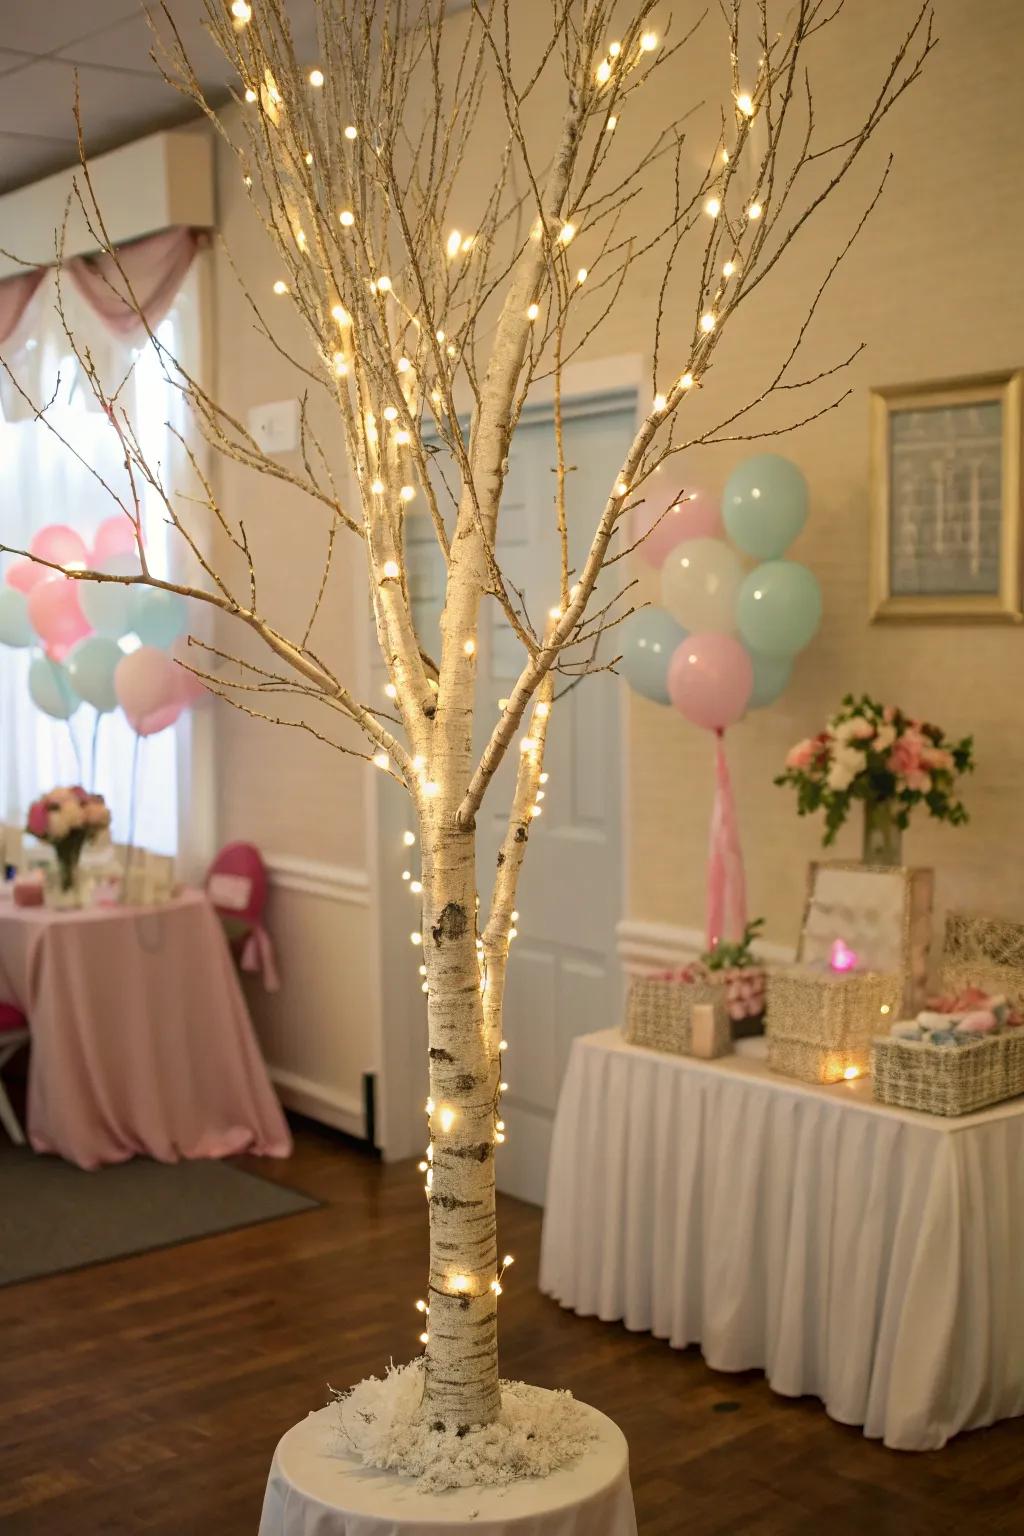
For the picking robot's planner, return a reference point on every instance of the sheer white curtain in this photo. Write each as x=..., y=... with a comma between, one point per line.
x=41, y=482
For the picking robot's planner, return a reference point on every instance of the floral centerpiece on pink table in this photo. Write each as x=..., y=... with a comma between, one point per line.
x=887, y=760
x=67, y=818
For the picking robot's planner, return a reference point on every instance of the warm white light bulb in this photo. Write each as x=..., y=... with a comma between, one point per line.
x=416, y=886
x=280, y=286
x=381, y=760
x=611, y=125
x=416, y=939
x=384, y=284
x=469, y=647
x=431, y=789
x=728, y=269
x=621, y=488
x=339, y=364
x=536, y=810
x=581, y=276
x=409, y=838
x=446, y=1118
x=507, y=1260
x=454, y=242
x=378, y=490
x=495, y=1285
x=251, y=96
x=351, y=132
x=316, y=78
x=408, y=493
x=660, y=403
x=403, y=438
x=686, y=382
x=745, y=104
x=649, y=42
x=390, y=566
x=390, y=413
x=340, y=315
x=391, y=690
x=460, y=1282
x=603, y=72
x=533, y=312
x=566, y=233
x=713, y=207
x=615, y=49
x=241, y=10
x=346, y=218
x=754, y=211
x=707, y=323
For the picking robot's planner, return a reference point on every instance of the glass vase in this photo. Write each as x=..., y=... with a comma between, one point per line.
x=65, y=892
x=883, y=839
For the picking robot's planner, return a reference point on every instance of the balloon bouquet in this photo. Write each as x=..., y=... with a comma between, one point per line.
x=725, y=640
x=76, y=627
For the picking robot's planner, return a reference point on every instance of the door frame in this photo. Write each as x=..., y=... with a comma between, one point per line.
x=400, y=1132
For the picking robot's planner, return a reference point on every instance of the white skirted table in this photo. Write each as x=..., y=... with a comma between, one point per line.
x=867, y=1256
x=317, y=1490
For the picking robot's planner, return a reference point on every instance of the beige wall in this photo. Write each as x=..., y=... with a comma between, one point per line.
x=933, y=287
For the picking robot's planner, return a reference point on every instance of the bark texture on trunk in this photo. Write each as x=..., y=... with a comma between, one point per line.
x=462, y=1348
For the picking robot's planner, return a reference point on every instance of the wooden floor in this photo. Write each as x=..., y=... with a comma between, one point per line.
x=146, y=1395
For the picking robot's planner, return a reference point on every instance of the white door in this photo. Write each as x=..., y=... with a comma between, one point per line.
x=563, y=977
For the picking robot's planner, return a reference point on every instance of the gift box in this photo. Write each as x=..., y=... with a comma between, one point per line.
x=658, y=1013
x=882, y=915
x=821, y=1024
x=988, y=952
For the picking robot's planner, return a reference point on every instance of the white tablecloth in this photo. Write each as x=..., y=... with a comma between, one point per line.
x=872, y=1257
x=315, y=1491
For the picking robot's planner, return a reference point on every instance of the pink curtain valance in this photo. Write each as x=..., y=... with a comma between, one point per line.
x=153, y=268
x=16, y=294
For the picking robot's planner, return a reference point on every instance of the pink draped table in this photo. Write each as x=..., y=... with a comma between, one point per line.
x=141, y=1039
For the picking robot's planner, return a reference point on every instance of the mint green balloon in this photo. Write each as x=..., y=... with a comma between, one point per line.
x=15, y=626
x=90, y=667
x=50, y=688
x=647, y=640
x=771, y=678
x=107, y=604
x=158, y=617
x=764, y=505
x=778, y=609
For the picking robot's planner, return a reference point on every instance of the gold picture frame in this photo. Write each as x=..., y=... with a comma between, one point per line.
x=946, y=501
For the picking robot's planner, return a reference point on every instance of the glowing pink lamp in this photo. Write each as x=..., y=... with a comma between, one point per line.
x=842, y=958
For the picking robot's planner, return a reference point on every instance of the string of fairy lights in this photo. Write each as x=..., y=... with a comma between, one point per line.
x=388, y=442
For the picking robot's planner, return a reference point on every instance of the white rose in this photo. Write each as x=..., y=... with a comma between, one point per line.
x=847, y=762
x=885, y=738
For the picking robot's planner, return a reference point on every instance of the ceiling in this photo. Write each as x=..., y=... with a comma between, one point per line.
x=108, y=42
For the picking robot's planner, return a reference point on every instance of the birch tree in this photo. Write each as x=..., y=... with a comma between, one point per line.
x=427, y=338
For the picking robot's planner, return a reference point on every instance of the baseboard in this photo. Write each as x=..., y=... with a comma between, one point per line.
x=345, y=1111
x=310, y=877
x=646, y=946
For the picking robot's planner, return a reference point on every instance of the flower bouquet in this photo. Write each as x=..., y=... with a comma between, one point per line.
x=745, y=979
x=888, y=761
x=67, y=818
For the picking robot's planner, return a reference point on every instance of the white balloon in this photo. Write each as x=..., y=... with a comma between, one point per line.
x=700, y=581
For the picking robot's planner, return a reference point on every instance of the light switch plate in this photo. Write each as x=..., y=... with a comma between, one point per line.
x=275, y=426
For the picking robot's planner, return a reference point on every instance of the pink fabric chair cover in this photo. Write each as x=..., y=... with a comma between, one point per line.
x=155, y=268
x=237, y=887
x=11, y=1018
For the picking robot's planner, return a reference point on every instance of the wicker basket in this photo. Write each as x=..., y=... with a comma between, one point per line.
x=821, y=1026
x=948, y=1079
x=658, y=1014
x=983, y=952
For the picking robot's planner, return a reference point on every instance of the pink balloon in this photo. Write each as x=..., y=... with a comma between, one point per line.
x=23, y=575
x=191, y=691
x=695, y=516
x=710, y=680
x=114, y=536
x=55, y=612
x=60, y=544
x=147, y=688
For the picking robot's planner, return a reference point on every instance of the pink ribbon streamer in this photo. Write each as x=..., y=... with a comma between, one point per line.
x=258, y=956
x=727, y=885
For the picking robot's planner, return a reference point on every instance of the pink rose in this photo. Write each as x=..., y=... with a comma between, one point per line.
x=802, y=755
x=905, y=757
x=38, y=818
x=918, y=779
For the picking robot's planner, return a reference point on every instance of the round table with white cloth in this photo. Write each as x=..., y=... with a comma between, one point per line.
x=866, y=1255
x=316, y=1489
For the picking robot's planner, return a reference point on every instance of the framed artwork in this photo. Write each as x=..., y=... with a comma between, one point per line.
x=946, y=500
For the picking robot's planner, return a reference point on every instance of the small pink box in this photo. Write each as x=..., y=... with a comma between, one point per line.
x=28, y=893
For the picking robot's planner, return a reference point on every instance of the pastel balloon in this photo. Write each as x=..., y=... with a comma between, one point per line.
x=699, y=583
x=56, y=612
x=146, y=685
x=15, y=626
x=23, y=575
x=779, y=608
x=108, y=606
x=191, y=691
x=764, y=505
x=158, y=617
x=694, y=516
x=59, y=544
x=114, y=536
x=50, y=688
x=771, y=678
x=91, y=665
x=710, y=678
x=647, y=640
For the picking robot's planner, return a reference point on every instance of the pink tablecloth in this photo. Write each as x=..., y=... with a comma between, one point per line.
x=141, y=1040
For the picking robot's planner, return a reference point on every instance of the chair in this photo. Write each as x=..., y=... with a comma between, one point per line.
x=13, y=1035
x=236, y=884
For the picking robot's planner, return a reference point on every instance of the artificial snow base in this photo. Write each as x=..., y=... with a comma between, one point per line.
x=382, y=1423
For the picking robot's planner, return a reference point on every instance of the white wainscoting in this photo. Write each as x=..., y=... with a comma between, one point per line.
x=320, y=1032
x=646, y=946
